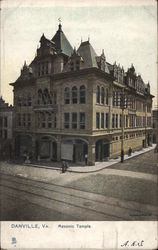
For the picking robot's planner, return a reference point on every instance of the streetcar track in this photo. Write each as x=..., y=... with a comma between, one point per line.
x=75, y=196
x=67, y=203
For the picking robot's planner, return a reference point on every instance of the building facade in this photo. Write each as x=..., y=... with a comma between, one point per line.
x=155, y=125
x=6, y=126
x=67, y=104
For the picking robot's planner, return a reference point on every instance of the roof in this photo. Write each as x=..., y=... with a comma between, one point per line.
x=4, y=105
x=88, y=54
x=61, y=43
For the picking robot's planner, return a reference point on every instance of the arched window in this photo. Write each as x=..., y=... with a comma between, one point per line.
x=82, y=94
x=107, y=96
x=67, y=95
x=74, y=95
x=102, y=95
x=98, y=95
x=39, y=101
x=46, y=96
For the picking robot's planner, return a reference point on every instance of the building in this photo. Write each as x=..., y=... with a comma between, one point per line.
x=67, y=104
x=6, y=115
x=155, y=125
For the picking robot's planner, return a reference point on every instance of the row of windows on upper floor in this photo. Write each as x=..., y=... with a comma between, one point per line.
x=128, y=136
x=130, y=121
x=48, y=120
x=71, y=95
x=44, y=120
x=78, y=121
x=43, y=67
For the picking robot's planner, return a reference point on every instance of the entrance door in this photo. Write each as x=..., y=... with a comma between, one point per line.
x=54, y=151
x=106, y=150
x=79, y=154
x=99, y=150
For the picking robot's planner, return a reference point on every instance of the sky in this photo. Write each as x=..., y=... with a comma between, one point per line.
x=125, y=29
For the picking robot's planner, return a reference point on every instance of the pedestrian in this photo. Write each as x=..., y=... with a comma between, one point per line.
x=130, y=151
x=63, y=167
x=86, y=159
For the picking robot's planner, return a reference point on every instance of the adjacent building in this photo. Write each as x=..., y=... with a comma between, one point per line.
x=67, y=104
x=6, y=122
x=155, y=125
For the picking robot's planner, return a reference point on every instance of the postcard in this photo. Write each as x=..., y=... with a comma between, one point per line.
x=78, y=124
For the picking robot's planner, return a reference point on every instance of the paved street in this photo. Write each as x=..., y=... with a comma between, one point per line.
x=121, y=192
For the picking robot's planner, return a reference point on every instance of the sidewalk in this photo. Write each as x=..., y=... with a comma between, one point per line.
x=98, y=165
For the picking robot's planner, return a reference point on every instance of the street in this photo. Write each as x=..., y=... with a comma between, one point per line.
x=125, y=191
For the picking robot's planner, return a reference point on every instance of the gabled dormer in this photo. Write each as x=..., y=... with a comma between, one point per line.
x=140, y=86
x=118, y=73
x=131, y=77
x=47, y=47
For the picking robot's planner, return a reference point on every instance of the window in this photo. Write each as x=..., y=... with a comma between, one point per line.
x=114, y=98
x=82, y=120
x=55, y=98
x=107, y=97
x=102, y=95
x=28, y=120
x=66, y=120
x=24, y=100
x=77, y=65
x=5, y=134
x=19, y=101
x=113, y=120
x=46, y=96
x=144, y=122
x=107, y=120
x=102, y=120
x=1, y=122
x=116, y=120
x=74, y=120
x=120, y=121
x=24, y=120
x=117, y=98
x=82, y=94
x=29, y=101
x=98, y=95
x=39, y=101
x=97, y=120
x=67, y=95
x=74, y=95
x=55, y=121
x=46, y=68
x=43, y=120
x=49, y=120
x=5, y=122
x=72, y=66
x=126, y=121
x=19, y=120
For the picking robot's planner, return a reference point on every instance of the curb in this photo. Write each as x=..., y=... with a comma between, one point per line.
x=84, y=172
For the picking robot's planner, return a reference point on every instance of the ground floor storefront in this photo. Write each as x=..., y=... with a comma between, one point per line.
x=85, y=150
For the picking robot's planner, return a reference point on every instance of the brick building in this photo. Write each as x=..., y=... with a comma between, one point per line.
x=67, y=104
x=6, y=122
